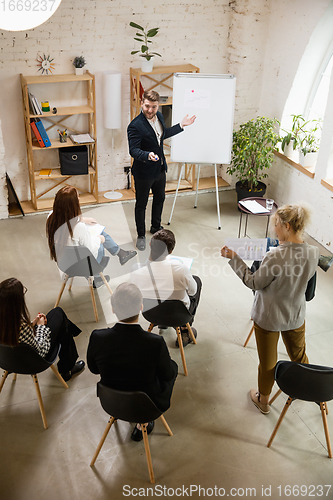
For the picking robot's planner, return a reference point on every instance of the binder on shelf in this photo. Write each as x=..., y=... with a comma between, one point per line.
x=37, y=134
x=42, y=131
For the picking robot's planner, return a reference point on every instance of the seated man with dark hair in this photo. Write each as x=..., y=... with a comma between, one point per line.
x=130, y=359
x=165, y=278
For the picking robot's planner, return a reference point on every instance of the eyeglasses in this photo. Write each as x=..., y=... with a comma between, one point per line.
x=25, y=290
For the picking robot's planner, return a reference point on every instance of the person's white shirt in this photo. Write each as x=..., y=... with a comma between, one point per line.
x=83, y=237
x=173, y=280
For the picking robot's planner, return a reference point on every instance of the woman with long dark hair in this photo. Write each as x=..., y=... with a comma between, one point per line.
x=42, y=333
x=66, y=226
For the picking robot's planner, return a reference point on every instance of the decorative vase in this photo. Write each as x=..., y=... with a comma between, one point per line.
x=147, y=66
x=292, y=153
x=308, y=160
x=79, y=71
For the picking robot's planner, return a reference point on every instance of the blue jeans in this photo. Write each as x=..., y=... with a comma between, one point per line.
x=110, y=245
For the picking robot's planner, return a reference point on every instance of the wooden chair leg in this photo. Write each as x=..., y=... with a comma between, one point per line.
x=181, y=347
x=61, y=290
x=105, y=282
x=3, y=379
x=148, y=454
x=14, y=377
x=90, y=281
x=70, y=284
x=105, y=433
x=191, y=333
x=165, y=423
x=151, y=326
x=59, y=377
x=276, y=428
x=40, y=401
x=249, y=336
x=327, y=435
x=273, y=398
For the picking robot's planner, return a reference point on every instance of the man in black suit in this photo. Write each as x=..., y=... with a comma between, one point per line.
x=146, y=134
x=130, y=359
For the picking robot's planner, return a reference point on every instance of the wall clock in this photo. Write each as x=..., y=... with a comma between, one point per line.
x=45, y=64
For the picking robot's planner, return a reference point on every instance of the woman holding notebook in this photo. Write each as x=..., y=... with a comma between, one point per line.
x=66, y=226
x=279, y=302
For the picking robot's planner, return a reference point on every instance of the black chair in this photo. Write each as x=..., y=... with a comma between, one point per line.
x=130, y=407
x=79, y=261
x=171, y=313
x=25, y=360
x=308, y=383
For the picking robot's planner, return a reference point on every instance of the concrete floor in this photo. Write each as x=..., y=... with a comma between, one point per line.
x=219, y=436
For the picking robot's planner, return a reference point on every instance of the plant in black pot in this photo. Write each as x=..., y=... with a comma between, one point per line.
x=252, y=155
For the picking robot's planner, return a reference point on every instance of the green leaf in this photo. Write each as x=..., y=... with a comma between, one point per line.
x=156, y=54
x=139, y=39
x=134, y=52
x=137, y=26
x=144, y=48
x=152, y=32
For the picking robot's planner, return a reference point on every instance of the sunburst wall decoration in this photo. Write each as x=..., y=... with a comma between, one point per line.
x=45, y=64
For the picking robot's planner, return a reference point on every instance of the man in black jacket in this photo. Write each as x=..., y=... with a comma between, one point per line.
x=146, y=134
x=130, y=359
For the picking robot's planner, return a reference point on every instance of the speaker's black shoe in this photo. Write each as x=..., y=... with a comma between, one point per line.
x=77, y=368
x=154, y=230
x=137, y=434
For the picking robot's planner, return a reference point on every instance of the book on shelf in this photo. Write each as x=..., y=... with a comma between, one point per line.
x=81, y=138
x=34, y=105
x=45, y=172
x=43, y=133
x=37, y=134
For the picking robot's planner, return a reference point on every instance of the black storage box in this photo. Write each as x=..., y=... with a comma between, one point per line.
x=73, y=160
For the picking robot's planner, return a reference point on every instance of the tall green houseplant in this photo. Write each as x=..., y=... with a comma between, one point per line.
x=253, y=151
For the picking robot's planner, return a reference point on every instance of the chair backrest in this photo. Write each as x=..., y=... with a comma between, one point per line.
x=78, y=261
x=129, y=406
x=24, y=359
x=305, y=382
x=168, y=312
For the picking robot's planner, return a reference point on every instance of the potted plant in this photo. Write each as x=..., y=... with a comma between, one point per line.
x=143, y=37
x=252, y=154
x=309, y=144
x=291, y=142
x=78, y=63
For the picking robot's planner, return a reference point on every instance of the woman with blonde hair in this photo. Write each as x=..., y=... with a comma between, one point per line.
x=42, y=333
x=279, y=303
x=66, y=226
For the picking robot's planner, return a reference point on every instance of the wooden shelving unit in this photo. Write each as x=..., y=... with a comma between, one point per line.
x=59, y=120
x=160, y=77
